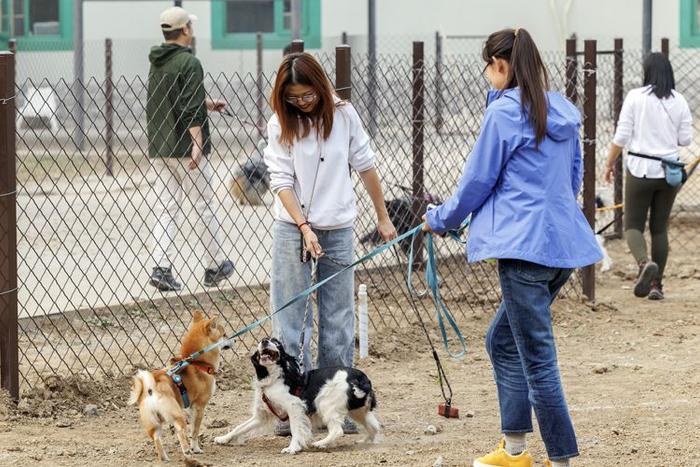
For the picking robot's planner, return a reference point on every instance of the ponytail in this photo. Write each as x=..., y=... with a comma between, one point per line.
x=527, y=71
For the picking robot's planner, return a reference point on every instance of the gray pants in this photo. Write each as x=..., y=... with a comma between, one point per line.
x=336, y=317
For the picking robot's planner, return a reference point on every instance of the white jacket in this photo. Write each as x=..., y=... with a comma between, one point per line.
x=330, y=202
x=654, y=127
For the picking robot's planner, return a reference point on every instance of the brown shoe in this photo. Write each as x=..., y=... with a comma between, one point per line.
x=647, y=273
x=657, y=290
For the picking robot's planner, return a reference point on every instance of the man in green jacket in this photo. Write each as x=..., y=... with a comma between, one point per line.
x=178, y=144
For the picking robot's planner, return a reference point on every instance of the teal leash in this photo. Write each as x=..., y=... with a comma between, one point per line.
x=382, y=248
x=431, y=276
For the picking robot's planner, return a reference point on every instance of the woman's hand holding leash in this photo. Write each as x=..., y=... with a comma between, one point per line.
x=386, y=229
x=426, y=227
x=311, y=241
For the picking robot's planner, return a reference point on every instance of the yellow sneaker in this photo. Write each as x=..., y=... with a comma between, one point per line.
x=501, y=458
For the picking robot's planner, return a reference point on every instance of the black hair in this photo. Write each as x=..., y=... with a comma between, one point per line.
x=658, y=73
x=527, y=71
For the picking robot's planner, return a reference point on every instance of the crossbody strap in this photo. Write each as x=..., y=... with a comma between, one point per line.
x=656, y=158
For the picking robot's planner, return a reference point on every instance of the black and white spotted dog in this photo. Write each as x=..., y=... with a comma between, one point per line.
x=319, y=397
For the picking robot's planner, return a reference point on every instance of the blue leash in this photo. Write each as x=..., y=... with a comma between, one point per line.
x=382, y=248
x=431, y=276
x=433, y=280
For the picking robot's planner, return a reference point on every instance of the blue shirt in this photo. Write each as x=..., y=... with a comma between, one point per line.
x=523, y=196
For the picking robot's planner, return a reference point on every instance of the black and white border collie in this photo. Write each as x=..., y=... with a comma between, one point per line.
x=320, y=397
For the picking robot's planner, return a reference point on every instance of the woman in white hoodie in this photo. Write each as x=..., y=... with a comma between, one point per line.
x=314, y=141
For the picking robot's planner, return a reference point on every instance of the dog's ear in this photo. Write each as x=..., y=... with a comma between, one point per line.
x=197, y=315
x=255, y=358
x=214, y=325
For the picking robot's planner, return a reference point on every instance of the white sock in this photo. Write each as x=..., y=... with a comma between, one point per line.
x=515, y=443
x=561, y=463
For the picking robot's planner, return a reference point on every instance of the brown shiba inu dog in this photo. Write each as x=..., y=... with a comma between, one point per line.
x=162, y=402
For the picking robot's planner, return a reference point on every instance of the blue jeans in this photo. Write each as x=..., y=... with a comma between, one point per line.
x=520, y=343
x=336, y=299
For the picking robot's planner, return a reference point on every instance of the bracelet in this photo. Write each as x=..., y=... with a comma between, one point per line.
x=299, y=226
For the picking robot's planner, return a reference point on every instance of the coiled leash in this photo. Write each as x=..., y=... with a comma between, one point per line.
x=432, y=279
x=174, y=372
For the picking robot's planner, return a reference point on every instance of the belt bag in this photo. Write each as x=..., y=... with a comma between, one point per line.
x=674, y=171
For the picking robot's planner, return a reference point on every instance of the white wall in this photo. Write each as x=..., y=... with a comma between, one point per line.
x=133, y=25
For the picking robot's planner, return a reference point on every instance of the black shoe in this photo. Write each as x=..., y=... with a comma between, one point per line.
x=657, y=290
x=349, y=427
x=214, y=276
x=647, y=272
x=163, y=280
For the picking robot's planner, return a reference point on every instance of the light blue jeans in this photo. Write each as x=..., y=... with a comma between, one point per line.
x=336, y=303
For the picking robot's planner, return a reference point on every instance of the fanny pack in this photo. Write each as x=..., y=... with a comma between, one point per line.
x=674, y=171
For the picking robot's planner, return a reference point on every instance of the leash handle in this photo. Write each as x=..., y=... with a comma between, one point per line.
x=441, y=310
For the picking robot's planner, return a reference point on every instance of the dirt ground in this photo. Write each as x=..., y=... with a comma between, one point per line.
x=630, y=369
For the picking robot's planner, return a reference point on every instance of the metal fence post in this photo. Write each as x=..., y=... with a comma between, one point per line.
x=618, y=97
x=79, y=76
x=418, y=138
x=343, y=76
x=589, y=148
x=664, y=46
x=260, y=94
x=372, y=66
x=297, y=46
x=344, y=37
x=571, y=71
x=9, y=357
x=438, y=83
x=12, y=46
x=109, y=108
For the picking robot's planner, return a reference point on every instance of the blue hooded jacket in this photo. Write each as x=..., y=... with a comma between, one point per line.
x=523, y=198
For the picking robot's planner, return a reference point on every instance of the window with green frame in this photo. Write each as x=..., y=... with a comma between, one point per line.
x=690, y=23
x=37, y=24
x=235, y=23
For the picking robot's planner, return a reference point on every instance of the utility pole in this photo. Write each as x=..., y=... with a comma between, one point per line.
x=646, y=28
x=79, y=73
x=296, y=19
x=372, y=69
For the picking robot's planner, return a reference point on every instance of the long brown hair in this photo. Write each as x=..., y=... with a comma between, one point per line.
x=302, y=68
x=527, y=71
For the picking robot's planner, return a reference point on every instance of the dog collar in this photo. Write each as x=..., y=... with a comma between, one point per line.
x=272, y=409
x=203, y=367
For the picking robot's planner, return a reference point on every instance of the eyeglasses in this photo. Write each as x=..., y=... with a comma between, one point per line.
x=307, y=98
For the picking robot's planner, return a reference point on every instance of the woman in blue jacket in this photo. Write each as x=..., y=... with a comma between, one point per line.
x=520, y=184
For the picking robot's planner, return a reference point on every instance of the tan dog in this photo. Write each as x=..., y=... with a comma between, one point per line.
x=158, y=397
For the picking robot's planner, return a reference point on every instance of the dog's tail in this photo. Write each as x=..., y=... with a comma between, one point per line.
x=143, y=385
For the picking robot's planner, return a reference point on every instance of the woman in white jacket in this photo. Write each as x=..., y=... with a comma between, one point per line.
x=313, y=138
x=655, y=120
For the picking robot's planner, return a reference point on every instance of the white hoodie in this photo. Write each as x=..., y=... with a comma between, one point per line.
x=333, y=203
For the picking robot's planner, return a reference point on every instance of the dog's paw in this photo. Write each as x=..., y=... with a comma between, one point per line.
x=196, y=450
x=291, y=449
x=221, y=440
x=321, y=444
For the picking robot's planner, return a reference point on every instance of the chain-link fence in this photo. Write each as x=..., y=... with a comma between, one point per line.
x=88, y=197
